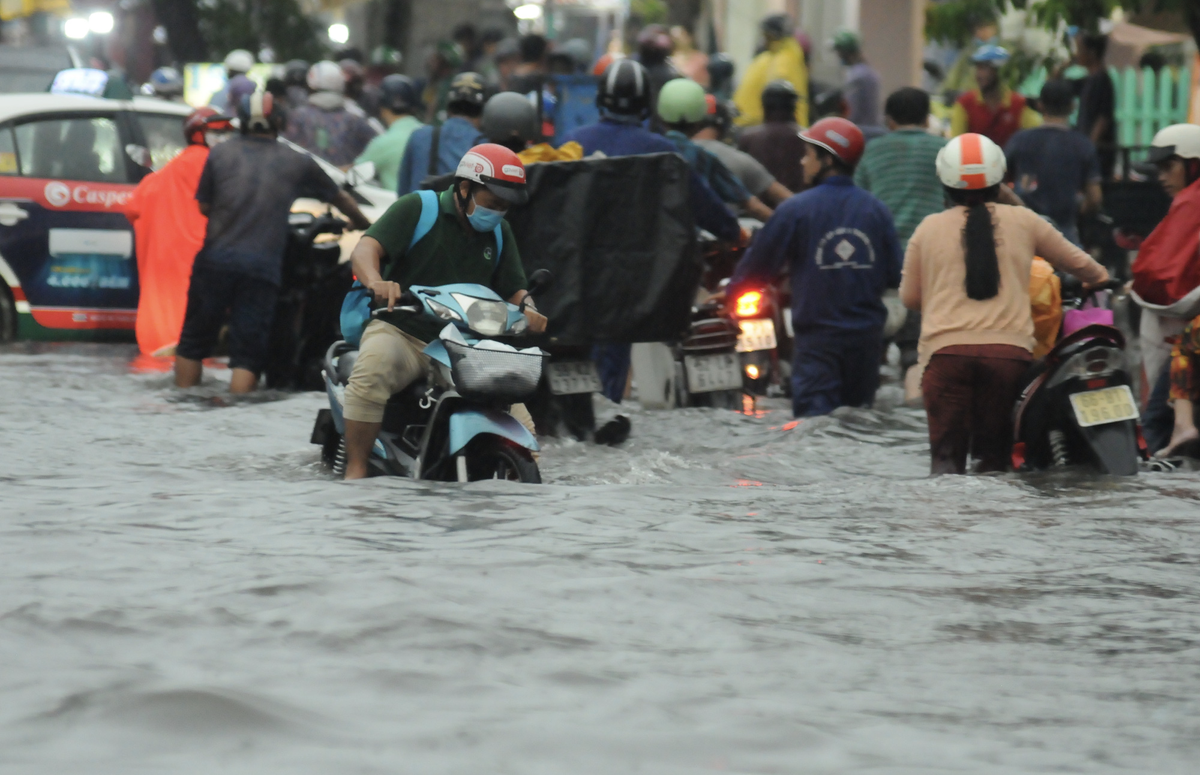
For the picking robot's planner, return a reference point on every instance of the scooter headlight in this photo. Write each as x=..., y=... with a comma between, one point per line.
x=484, y=316
x=442, y=311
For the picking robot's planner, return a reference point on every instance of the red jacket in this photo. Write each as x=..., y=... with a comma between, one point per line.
x=1168, y=264
x=997, y=127
x=170, y=231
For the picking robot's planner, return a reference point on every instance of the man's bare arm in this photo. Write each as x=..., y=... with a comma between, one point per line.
x=755, y=207
x=344, y=202
x=366, y=259
x=776, y=193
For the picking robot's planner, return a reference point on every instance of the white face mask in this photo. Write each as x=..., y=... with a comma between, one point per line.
x=213, y=139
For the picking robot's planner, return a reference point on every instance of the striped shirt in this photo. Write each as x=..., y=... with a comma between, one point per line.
x=899, y=168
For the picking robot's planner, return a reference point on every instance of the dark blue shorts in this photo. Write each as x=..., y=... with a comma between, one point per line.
x=217, y=296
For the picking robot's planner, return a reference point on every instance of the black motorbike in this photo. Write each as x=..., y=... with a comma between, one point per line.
x=307, y=312
x=1078, y=407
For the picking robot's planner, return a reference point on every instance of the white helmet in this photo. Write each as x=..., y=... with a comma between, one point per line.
x=971, y=162
x=239, y=61
x=326, y=76
x=1182, y=140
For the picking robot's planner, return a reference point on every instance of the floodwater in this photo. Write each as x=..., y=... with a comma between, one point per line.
x=183, y=590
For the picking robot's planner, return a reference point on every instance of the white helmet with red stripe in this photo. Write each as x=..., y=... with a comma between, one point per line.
x=971, y=162
x=496, y=167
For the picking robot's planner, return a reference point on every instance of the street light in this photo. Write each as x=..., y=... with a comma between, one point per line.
x=528, y=12
x=101, y=22
x=339, y=33
x=76, y=28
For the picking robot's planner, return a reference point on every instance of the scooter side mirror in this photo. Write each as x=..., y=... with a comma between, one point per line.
x=540, y=281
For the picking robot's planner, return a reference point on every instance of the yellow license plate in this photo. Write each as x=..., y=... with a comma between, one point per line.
x=1098, y=407
x=756, y=335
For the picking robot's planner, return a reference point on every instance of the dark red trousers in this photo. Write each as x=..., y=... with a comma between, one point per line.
x=970, y=391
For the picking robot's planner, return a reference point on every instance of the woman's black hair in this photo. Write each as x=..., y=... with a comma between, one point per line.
x=979, y=241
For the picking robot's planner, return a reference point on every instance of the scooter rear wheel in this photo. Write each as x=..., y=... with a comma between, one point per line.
x=492, y=458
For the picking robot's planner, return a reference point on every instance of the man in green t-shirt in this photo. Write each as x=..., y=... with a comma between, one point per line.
x=459, y=248
x=398, y=102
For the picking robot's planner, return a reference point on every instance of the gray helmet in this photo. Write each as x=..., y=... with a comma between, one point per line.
x=398, y=94
x=510, y=119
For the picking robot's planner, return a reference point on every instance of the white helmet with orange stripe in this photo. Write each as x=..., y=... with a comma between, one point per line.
x=971, y=162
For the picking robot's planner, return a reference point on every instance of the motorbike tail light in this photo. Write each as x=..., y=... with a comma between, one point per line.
x=1092, y=384
x=748, y=304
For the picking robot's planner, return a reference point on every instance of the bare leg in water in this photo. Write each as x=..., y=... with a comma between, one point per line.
x=189, y=372
x=1185, y=427
x=360, y=437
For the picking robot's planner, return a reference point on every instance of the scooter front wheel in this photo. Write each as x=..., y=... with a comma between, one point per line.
x=494, y=458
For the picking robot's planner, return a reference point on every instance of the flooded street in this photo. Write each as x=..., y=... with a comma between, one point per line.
x=183, y=589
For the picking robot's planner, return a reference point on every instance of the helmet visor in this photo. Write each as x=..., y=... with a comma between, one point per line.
x=516, y=195
x=1160, y=153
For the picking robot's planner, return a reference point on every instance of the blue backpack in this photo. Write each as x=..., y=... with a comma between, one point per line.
x=356, y=309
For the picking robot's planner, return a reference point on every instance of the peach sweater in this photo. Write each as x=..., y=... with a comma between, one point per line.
x=935, y=276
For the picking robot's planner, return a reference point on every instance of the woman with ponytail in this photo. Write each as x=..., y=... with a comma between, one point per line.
x=967, y=271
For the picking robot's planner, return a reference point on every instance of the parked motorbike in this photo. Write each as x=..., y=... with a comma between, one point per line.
x=708, y=371
x=563, y=402
x=310, y=301
x=455, y=424
x=765, y=342
x=1079, y=408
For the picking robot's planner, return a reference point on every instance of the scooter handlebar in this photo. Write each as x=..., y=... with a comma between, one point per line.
x=407, y=302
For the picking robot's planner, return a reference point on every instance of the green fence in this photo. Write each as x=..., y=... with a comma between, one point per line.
x=1148, y=101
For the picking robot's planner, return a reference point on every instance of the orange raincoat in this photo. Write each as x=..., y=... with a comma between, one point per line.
x=169, y=230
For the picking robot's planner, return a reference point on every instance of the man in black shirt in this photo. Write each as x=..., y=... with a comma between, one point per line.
x=1097, y=100
x=246, y=190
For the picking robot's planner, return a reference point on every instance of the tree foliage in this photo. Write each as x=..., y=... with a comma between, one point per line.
x=953, y=21
x=199, y=29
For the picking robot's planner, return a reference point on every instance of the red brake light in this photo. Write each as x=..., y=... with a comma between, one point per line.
x=748, y=303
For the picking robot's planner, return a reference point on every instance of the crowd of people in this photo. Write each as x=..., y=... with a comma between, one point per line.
x=856, y=198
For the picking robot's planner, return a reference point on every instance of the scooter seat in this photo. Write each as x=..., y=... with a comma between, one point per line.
x=345, y=365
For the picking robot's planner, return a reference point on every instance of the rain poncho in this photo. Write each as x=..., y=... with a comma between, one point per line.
x=1045, y=297
x=783, y=59
x=169, y=230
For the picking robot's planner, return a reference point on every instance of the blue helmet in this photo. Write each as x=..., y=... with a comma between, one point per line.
x=166, y=82
x=990, y=54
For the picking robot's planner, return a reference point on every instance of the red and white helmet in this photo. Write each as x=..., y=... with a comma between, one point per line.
x=971, y=162
x=839, y=136
x=496, y=167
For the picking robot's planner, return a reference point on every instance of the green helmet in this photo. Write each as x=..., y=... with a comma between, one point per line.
x=846, y=40
x=682, y=100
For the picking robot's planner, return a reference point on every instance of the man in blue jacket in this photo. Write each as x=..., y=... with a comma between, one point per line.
x=841, y=244
x=435, y=150
x=624, y=100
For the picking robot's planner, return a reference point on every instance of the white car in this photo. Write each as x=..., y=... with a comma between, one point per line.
x=68, y=164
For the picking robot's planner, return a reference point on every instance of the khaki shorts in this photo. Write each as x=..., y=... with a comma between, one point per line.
x=390, y=360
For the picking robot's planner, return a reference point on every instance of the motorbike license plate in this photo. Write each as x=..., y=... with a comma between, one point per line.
x=570, y=377
x=706, y=373
x=1099, y=407
x=756, y=335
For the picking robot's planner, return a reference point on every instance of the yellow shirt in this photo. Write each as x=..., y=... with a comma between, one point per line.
x=783, y=59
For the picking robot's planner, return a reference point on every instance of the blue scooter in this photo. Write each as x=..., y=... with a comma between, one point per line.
x=455, y=424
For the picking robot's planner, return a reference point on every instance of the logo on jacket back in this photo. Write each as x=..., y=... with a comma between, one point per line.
x=845, y=248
